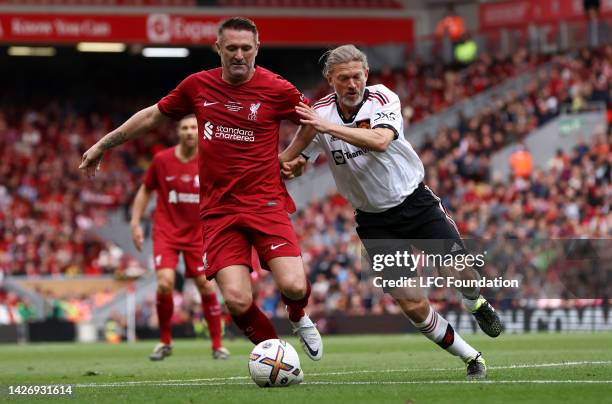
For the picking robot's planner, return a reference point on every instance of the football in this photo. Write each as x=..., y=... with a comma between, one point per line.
x=275, y=363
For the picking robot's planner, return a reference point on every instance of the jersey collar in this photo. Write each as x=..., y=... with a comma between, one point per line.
x=366, y=94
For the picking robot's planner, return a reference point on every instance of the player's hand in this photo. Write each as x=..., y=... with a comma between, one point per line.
x=293, y=168
x=137, y=236
x=91, y=160
x=310, y=117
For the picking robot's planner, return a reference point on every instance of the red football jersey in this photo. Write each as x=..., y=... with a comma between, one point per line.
x=177, y=183
x=238, y=128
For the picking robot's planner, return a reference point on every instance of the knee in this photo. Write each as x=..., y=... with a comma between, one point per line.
x=165, y=284
x=205, y=287
x=416, y=310
x=295, y=289
x=237, y=301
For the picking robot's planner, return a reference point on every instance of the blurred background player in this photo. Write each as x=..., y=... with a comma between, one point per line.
x=173, y=174
x=361, y=131
x=244, y=202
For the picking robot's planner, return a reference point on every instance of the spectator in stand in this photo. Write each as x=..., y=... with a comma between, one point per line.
x=521, y=162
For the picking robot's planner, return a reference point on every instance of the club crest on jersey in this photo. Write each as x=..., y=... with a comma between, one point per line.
x=254, y=108
x=365, y=124
x=196, y=181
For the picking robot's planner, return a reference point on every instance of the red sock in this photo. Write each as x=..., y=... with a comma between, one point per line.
x=165, y=308
x=296, y=307
x=255, y=324
x=212, y=314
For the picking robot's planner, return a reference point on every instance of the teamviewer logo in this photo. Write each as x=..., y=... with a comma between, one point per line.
x=338, y=157
x=208, y=130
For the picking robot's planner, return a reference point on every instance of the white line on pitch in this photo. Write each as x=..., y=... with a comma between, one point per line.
x=186, y=382
x=357, y=383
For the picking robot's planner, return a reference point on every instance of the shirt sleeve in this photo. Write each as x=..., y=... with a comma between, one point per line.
x=290, y=98
x=387, y=112
x=177, y=103
x=150, y=177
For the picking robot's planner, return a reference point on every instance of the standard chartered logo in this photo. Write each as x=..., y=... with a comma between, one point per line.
x=208, y=129
x=182, y=197
x=226, y=133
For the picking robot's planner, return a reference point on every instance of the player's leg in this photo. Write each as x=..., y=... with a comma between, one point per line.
x=380, y=235
x=438, y=225
x=227, y=259
x=288, y=273
x=436, y=328
x=235, y=284
x=165, y=308
x=212, y=314
x=211, y=309
x=275, y=241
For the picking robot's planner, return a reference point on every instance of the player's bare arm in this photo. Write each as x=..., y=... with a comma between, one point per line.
x=292, y=164
x=377, y=139
x=139, y=123
x=138, y=208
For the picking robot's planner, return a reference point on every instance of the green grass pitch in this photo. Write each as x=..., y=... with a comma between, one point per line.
x=532, y=368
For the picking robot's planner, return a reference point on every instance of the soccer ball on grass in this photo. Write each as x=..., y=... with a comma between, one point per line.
x=275, y=363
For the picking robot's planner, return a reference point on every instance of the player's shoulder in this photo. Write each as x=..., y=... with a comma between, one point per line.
x=381, y=93
x=210, y=75
x=271, y=79
x=325, y=102
x=163, y=155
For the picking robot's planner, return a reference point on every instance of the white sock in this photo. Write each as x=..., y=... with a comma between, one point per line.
x=436, y=328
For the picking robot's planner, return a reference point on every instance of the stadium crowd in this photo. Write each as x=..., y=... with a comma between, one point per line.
x=47, y=207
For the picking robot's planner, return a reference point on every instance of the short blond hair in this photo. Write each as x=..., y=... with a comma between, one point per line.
x=343, y=54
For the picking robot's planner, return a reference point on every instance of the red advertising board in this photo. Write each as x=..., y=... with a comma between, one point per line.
x=523, y=12
x=200, y=29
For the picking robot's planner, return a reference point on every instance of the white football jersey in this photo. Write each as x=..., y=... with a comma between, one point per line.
x=371, y=181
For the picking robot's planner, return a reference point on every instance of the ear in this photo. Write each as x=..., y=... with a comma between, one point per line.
x=328, y=77
x=218, y=47
x=256, y=48
x=367, y=71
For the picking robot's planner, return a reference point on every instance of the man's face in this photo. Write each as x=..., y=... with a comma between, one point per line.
x=237, y=50
x=188, y=132
x=349, y=82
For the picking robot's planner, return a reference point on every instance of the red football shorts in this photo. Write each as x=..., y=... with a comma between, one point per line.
x=165, y=256
x=230, y=239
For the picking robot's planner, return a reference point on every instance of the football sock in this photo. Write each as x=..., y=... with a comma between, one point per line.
x=436, y=328
x=255, y=325
x=295, y=308
x=165, y=308
x=212, y=314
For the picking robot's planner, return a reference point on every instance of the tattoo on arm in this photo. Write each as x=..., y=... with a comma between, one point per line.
x=114, y=139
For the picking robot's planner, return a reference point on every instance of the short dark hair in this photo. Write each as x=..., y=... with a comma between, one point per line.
x=178, y=123
x=238, y=24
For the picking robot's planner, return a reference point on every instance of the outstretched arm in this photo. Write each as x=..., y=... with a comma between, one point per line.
x=300, y=141
x=377, y=139
x=139, y=123
x=140, y=204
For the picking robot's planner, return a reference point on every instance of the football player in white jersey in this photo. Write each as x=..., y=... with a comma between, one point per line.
x=360, y=129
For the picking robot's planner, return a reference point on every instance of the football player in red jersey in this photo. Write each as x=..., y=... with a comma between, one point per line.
x=243, y=200
x=173, y=174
